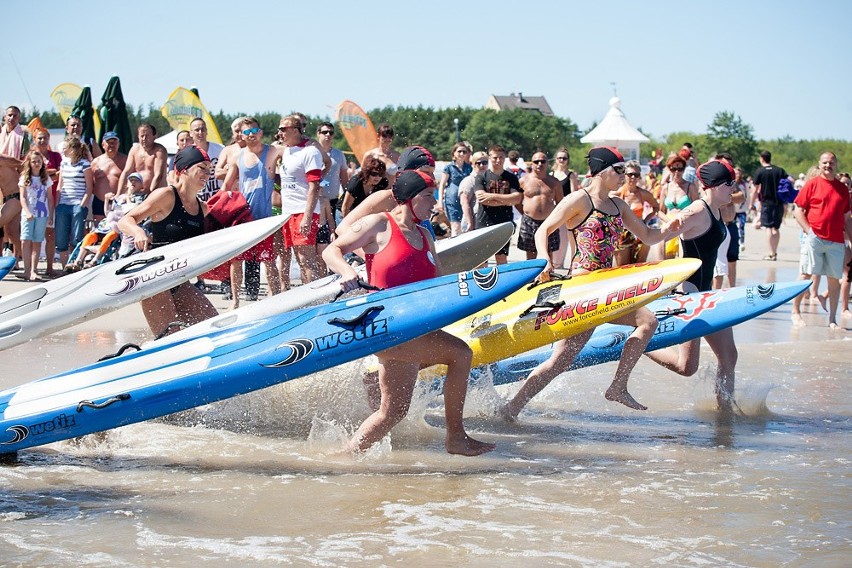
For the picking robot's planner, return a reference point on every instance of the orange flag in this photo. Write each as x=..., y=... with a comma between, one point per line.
x=357, y=128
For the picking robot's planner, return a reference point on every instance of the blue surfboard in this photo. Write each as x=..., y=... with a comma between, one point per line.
x=179, y=375
x=682, y=317
x=7, y=263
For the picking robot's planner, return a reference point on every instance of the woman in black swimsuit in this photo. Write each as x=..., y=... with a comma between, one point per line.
x=702, y=231
x=176, y=214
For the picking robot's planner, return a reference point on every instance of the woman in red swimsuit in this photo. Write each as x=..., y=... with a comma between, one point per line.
x=398, y=251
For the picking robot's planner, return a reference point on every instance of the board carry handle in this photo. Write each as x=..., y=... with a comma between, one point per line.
x=137, y=265
x=553, y=276
x=667, y=313
x=352, y=322
x=549, y=306
x=97, y=406
x=361, y=284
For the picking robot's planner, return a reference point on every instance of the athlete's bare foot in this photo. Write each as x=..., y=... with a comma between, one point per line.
x=234, y=305
x=822, y=302
x=833, y=326
x=467, y=446
x=506, y=415
x=798, y=320
x=624, y=398
x=845, y=314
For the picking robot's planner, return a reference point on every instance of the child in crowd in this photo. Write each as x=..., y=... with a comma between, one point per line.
x=36, y=207
x=107, y=231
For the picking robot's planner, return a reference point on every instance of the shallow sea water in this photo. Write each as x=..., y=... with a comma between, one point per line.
x=578, y=481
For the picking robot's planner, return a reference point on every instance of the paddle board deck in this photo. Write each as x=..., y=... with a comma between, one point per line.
x=84, y=295
x=462, y=253
x=543, y=313
x=174, y=377
x=682, y=317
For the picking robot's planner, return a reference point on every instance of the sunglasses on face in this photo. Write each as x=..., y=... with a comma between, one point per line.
x=331, y=132
x=618, y=169
x=250, y=131
x=481, y=163
x=284, y=128
x=539, y=161
x=632, y=175
x=679, y=169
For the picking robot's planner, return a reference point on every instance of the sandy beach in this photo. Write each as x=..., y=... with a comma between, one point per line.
x=577, y=481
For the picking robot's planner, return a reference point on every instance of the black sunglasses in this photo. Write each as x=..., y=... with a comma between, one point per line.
x=481, y=162
x=618, y=169
x=326, y=131
x=539, y=161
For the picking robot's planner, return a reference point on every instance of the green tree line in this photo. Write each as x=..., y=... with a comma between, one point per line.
x=529, y=132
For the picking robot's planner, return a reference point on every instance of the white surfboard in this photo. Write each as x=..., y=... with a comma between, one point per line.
x=87, y=294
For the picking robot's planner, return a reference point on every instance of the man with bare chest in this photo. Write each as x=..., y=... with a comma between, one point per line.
x=106, y=171
x=542, y=192
x=11, y=149
x=148, y=159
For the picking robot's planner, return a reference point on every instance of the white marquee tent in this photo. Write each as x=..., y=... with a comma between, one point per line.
x=614, y=130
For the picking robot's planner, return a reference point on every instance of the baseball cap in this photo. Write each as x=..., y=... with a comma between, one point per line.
x=135, y=175
x=110, y=136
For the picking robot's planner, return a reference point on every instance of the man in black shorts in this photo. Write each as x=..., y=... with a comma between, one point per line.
x=766, y=179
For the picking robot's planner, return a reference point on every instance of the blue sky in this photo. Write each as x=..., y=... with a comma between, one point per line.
x=784, y=66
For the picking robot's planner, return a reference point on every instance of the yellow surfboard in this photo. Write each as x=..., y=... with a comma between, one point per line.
x=544, y=313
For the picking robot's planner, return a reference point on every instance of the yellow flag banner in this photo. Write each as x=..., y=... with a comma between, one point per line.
x=65, y=97
x=183, y=107
x=357, y=128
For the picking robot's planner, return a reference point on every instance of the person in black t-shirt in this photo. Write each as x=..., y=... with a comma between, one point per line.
x=497, y=191
x=766, y=179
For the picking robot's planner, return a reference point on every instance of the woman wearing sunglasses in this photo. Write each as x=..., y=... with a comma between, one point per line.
x=644, y=206
x=448, y=188
x=595, y=222
x=702, y=230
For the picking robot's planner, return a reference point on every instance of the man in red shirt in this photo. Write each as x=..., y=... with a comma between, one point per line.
x=822, y=210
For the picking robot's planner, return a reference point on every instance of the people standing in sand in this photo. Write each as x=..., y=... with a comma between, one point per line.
x=198, y=131
x=448, y=188
x=334, y=179
x=846, y=280
x=384, y=151
x=497, y=192
x=76, y=186
x=176, y=214
x=467, y=198
x=11, y=148
x=254, y=168
x=106, y=171
x=399, y=251
x=148, y=157
x=596, y=221
x=822, y=210
x=643, y=205
x=542, y=193
x=370, y=178
x=570, y=183
x=301, y=172
x=729, y=250
x=702, y=231
x=766, y=180
x=53, y=161
x=36, y=207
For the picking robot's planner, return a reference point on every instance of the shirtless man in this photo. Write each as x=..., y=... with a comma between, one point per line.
x=384, y=152
x=11, y=148
x=106, y=171
x=147, y=158
x=542, y=192
x=198, y=131
x=230, y=152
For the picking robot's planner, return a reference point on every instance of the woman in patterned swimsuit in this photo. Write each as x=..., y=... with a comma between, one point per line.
x=595, y=221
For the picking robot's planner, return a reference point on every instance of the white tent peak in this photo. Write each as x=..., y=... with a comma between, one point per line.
x=614, y=130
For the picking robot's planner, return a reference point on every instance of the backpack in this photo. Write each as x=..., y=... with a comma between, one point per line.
x=786, y=192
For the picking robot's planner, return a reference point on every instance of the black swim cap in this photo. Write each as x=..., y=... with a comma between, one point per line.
x=602, y=157
x=415, y=157
x=715, y=173
x=410, y=183
x=188, y=157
